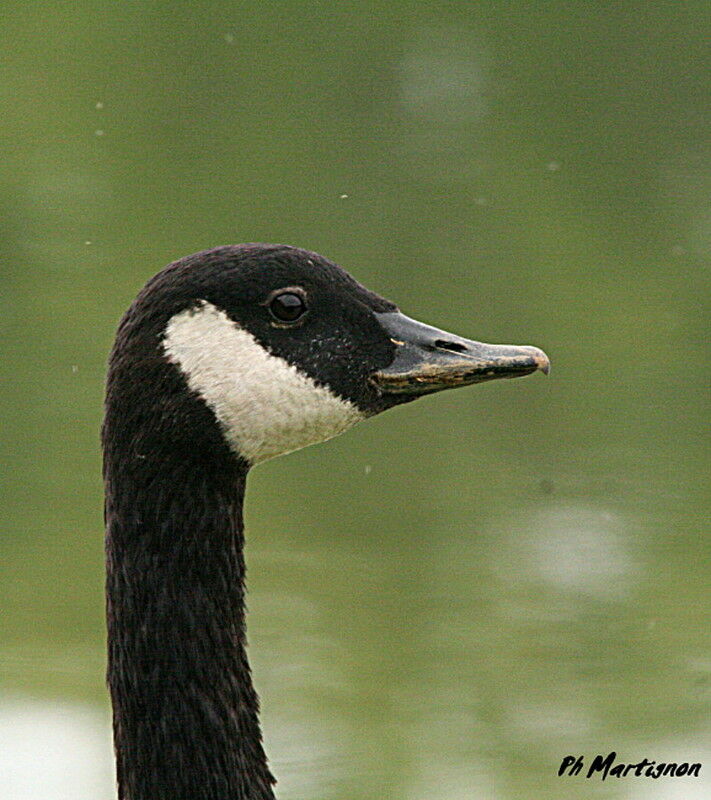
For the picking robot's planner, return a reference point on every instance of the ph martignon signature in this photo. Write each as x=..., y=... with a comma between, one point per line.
x=608, y=766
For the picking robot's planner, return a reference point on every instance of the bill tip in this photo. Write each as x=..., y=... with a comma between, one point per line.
x=542, y=361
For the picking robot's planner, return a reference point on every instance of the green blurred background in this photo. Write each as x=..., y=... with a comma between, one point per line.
x=447, y=600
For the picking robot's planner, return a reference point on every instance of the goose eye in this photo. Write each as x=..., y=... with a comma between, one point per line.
x=287, y=306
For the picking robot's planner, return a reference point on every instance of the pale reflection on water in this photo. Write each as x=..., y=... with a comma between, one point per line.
x=54, y=751
x=62, y=751
x=575, y=549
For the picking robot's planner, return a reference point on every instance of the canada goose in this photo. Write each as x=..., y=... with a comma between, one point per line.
x=226, y=358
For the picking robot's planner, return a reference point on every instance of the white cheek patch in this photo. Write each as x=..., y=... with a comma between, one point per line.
x=265, y=405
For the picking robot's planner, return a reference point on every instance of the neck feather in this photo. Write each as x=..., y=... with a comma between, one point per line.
x=185, y=711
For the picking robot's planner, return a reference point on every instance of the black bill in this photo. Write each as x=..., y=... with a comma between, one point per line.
x=429, y=360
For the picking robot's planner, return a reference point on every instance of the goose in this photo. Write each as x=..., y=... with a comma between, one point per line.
x=225, y=359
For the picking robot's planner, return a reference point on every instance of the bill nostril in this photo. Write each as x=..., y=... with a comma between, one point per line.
x=455, y=347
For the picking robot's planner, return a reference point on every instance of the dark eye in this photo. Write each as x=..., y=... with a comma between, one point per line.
x=288, y=306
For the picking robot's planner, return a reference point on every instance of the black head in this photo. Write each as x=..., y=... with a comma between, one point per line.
x=285, y=348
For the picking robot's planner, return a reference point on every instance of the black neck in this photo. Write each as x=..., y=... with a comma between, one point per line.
x=185, y=712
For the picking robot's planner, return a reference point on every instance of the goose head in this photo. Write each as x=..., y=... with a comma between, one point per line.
x=286, y=349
